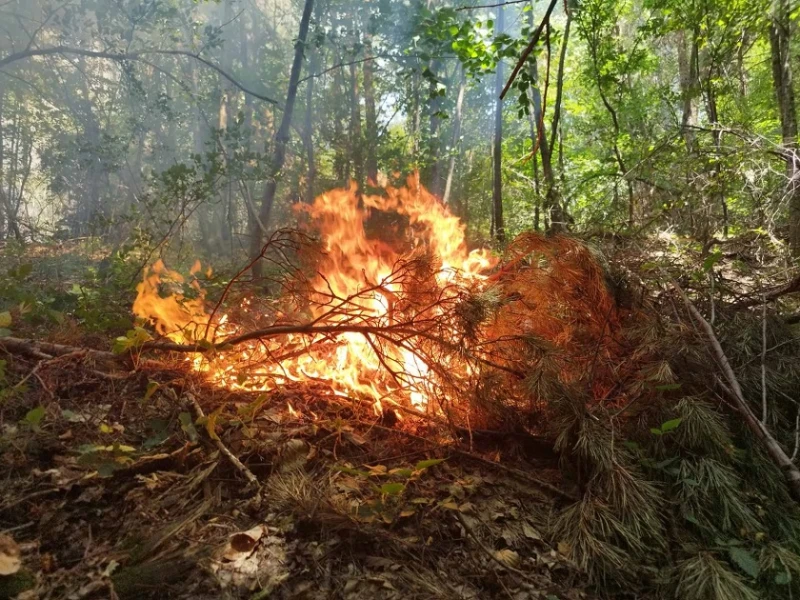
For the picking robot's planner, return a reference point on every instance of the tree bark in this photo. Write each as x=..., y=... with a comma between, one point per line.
x=434, y=178
x=456, y=139
x=780, y=41
x=308, y=130
x=689, y=84
x=356, y=141
x=370, y=113
x=713, y=115
x=281, y=140
x=497, y=184
x=558, y=213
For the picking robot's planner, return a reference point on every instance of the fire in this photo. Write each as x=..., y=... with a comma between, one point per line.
x=362, y=284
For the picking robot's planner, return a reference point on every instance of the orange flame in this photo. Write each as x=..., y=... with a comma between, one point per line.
x=358, y=281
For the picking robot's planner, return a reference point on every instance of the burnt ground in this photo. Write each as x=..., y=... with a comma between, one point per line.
x=116, y=488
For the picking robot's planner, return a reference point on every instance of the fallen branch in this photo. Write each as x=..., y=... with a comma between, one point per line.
x=239, y=465
x=782, y=290
x=47, y=350
x=790, y=471
x=47, y=353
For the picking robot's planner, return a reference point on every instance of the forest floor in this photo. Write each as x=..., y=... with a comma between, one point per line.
x=109, y=494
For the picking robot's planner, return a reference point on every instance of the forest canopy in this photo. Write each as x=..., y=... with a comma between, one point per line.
x=118, y=116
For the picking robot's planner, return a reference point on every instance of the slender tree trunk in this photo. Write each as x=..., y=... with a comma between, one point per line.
x=370, y=113
x=455, y=143
x=711, y=103
x=780, y=45
x=616, y=129
x=226, y=105
x=356, y=140
x=308, y=129
x=341, y=162
x=558, y=212
x=497, y=184
x=434, y=178
x=281, y=141
x=689, y=83
x=2, y=164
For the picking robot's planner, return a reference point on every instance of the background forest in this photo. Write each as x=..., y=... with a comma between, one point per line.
x=616, y=364
x=155, y=120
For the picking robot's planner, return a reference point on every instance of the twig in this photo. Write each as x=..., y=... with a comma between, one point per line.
x=529, y=578
x=132, y=56
x=480, y=6
x=553, y=490
x=239, y=465
x=790, y=471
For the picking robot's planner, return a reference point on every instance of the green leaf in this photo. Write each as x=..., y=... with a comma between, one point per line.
x=211, y=422
x=670, y=425
x=453, y=30
x=425, y=464
x=656, y=431
x=711, y=260
x=5, y=319
x=745, y=560
x=783, y=578
x=34, y=417
x=402, y=472
x=152, y=386
x=392, y=489
x=351, y=471
x=188, y=426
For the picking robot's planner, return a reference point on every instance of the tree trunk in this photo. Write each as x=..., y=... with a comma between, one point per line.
x=2, y=163
x=713, y=115
x=434, y=178
x=455, y=142
x=689, y=83
x=308, y=129
x=780, y=38
x=281, y=141
x=558, y=212
x=497, y=184
x=356, y=141
x=226, y=106
x=341, y=161
x=370, y=113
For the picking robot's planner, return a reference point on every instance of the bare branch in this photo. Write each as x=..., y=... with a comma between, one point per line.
x=131, y=56
x=528, y=49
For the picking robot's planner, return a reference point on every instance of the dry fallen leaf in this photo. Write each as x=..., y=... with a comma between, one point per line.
x=242, y=543
x=507, y=556
x=10, y=561
x=530, y=531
